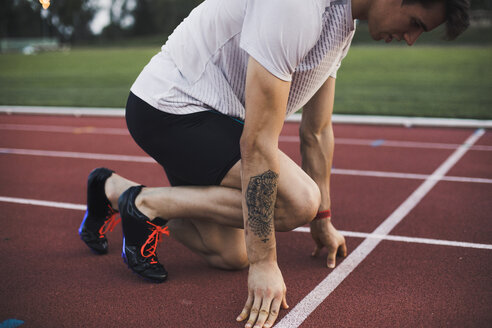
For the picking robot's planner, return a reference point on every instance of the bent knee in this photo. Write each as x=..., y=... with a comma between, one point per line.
x=235, y=261
x=297, y=212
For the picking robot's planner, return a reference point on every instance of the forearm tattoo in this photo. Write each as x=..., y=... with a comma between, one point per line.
x=260, y=199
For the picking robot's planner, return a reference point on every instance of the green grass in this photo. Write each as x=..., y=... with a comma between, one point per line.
x=83, y=77
x=418, y=81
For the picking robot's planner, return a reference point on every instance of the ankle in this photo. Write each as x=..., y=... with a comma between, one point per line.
x=143, y=204
x=110, y=191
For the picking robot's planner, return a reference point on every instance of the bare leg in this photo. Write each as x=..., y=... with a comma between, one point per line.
x=222, y=247
x=298, y=199
x=115, y=185
x=217, y=204
x=208, y=219
x=216, y=212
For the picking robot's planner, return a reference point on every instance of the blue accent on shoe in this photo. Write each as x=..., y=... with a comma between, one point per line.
x=83, y=221
x=11, y=323
x=123, y=253
x=377, y=143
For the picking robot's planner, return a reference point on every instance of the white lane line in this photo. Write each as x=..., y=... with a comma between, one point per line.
x=42, y=203
x=337, y=118
x=309, y=303
x=392, y=143
x=294, y=139
x=430, y=145
x=69, y=154
x=64, y=129
x=70, y=111
x=411, y=176
x=413, y=240
x=354, y=234
x=380, y=174
x=465, y=179
x=146, y=159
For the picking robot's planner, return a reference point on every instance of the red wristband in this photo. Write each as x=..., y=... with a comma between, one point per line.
x=323, y=215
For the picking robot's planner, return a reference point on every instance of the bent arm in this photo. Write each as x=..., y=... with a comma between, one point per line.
x=266, y=101
x=317, y=146
x=317, y=139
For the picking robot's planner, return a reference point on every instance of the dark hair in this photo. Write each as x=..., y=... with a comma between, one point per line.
x=457, y=17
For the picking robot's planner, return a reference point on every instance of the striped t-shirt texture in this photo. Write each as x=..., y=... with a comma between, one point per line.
x=203, y=64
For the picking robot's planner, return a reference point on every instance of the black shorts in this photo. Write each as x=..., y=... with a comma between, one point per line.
x=194, y=149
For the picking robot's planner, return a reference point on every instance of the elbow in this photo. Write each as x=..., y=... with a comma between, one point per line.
x=315, y=136
x=309, y=137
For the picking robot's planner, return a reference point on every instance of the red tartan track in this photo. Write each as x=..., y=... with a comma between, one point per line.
x=49, y=278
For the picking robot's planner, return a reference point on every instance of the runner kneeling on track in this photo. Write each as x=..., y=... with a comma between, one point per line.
x=209, y=108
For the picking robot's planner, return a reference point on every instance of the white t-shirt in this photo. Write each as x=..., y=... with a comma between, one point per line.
x=203, y=64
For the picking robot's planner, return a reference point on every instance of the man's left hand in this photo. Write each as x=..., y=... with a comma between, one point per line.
x=325, y=235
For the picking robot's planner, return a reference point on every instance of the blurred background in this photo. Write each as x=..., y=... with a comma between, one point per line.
x=89, y=52
x=83, y=22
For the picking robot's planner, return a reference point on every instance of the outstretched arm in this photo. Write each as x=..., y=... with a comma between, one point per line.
x=266, y=102
x=317, y=146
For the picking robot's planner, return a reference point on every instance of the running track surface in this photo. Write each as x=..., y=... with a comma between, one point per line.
x=425, y=194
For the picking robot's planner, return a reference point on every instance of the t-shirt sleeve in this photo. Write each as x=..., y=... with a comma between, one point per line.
x=279, y=33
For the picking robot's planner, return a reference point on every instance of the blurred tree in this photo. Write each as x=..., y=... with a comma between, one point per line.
x=481, y=4
x=120, y=19
x=160, y=16
x=144, y=22
x=20, y=18
x=72, y=18
x=67, y=19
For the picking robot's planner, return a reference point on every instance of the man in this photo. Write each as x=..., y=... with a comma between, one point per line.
x=210, y=107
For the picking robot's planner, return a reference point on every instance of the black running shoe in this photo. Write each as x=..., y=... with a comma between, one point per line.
x=99, y=217
x=140, y=239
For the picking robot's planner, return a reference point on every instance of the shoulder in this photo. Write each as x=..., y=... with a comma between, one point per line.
x=302, y=10
x=298, y=18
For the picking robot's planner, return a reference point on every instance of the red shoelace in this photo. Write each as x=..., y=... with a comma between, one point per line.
x=111, y=222
x=149, y=247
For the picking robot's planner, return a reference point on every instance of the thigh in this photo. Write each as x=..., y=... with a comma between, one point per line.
x=298, y=196
x=293, y=181
x=194, y=149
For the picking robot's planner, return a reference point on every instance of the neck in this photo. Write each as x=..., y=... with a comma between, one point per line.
x=360, y=9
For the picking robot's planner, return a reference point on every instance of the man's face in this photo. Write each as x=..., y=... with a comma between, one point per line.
x=389, y=20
